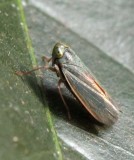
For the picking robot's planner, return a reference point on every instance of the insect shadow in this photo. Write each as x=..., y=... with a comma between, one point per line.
x=79, y=116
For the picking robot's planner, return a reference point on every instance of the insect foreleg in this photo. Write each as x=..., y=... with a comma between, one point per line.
x=46, y=59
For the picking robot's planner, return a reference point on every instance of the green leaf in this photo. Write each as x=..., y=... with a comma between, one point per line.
x=82, y=138
x=28, y=130
x=26, y=127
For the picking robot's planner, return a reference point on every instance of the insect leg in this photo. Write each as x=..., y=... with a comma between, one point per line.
x=46, y=59
x=21, y=73
x=66, y=106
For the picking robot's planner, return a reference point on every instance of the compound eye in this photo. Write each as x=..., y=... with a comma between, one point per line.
x=59, y=53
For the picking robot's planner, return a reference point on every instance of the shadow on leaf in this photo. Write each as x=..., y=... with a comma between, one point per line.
x=79, y=116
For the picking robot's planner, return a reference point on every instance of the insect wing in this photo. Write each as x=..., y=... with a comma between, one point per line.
x=90, y=94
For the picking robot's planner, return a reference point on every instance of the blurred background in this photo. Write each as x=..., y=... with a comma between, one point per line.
x=109, y=25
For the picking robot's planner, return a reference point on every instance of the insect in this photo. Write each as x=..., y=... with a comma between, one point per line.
x=81, y=82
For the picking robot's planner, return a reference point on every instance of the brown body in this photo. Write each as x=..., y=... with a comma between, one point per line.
x=83, y=85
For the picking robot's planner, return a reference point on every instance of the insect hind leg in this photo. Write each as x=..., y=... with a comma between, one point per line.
x=66, y=106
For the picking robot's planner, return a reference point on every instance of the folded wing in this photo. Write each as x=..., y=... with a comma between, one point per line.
x=91, y=95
